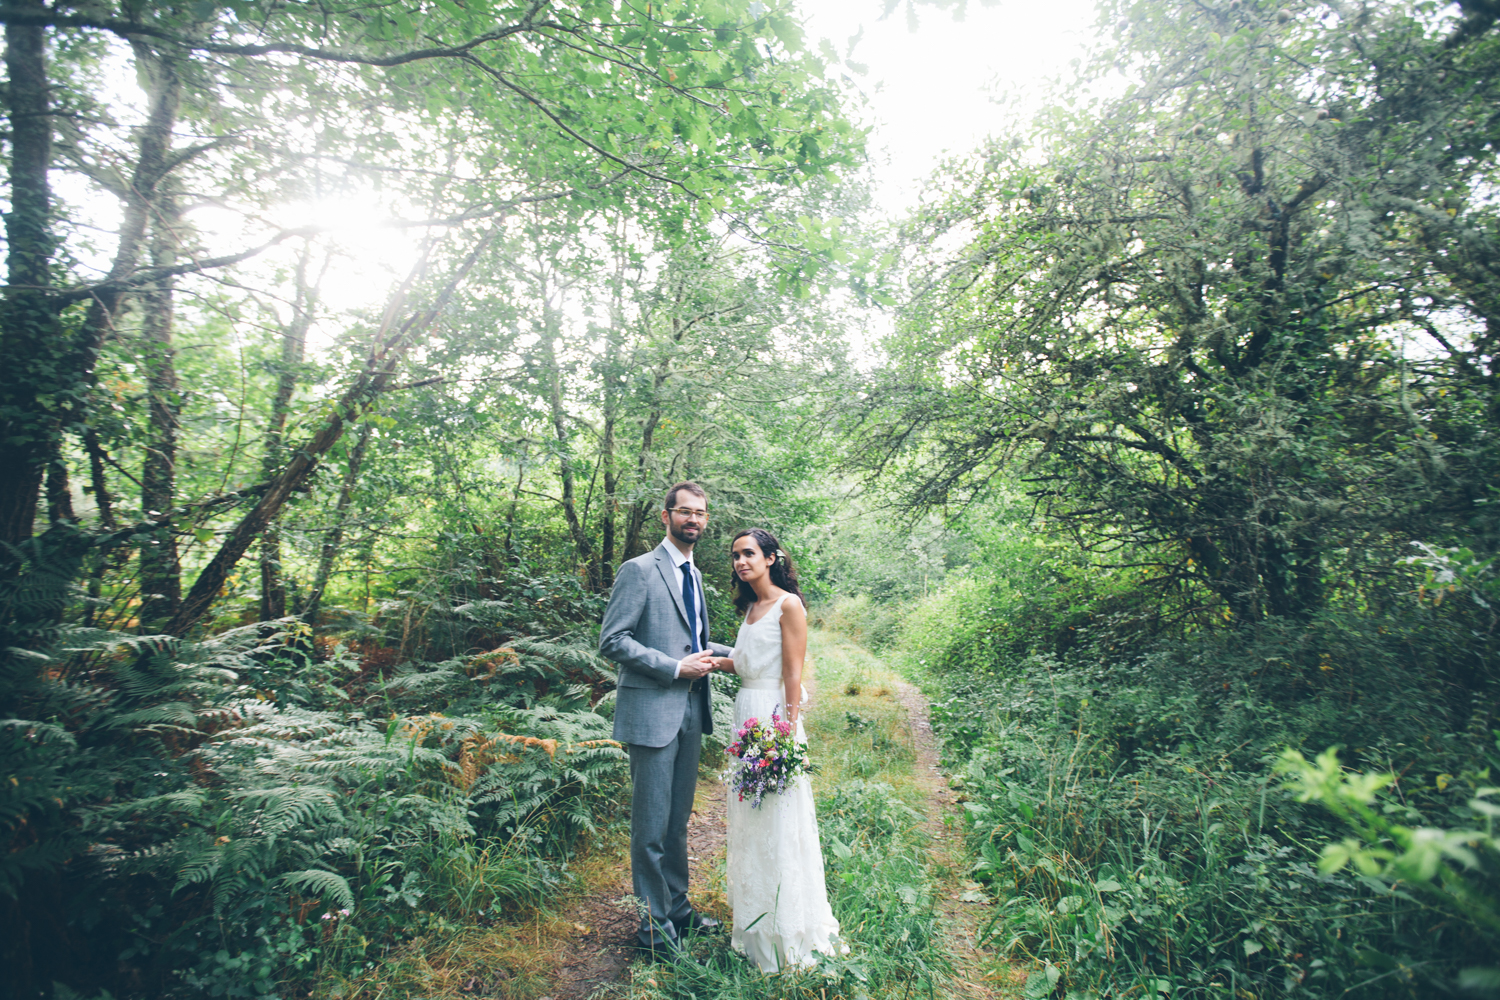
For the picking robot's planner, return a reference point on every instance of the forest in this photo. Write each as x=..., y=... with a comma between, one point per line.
x=347, y=348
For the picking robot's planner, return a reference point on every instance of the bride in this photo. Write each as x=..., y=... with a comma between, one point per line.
x=776, y=888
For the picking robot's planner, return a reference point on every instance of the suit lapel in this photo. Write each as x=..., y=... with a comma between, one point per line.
x=673, y=580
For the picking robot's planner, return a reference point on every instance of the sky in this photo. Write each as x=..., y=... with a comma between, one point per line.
x=932, y=92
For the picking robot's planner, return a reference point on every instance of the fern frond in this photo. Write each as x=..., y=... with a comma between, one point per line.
x=319, y=882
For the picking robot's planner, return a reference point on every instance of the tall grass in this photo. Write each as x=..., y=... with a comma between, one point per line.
x=1123, y=811
x=1115, y=747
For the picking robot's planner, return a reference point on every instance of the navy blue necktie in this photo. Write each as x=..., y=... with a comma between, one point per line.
x=690, y=601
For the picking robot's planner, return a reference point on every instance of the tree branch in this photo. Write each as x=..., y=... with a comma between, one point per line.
x=537, y=102
x=128, y=28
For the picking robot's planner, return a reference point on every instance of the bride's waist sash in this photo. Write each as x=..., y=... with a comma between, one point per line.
x=762, y=684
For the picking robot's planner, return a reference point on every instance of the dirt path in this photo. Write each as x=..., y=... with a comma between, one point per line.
x=960, y=920
x=606, y=922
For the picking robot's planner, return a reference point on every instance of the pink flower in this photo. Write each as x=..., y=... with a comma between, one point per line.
x=784, y=728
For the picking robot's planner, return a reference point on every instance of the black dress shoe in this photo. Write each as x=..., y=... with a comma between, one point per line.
x=660, y=951
x=697, y=923
x=673, y=953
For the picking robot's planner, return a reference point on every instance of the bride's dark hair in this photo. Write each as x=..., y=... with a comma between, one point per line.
x=783, y=570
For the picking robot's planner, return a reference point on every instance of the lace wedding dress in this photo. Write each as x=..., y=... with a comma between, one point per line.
x=775, y=863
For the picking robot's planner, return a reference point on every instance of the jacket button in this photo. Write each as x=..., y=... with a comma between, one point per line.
x=688, y=648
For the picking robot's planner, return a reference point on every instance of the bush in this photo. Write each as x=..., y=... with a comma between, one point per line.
x=872, y=622
x=879, y=886
x=1121, y=804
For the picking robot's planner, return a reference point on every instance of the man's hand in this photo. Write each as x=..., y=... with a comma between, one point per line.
x=695, y=666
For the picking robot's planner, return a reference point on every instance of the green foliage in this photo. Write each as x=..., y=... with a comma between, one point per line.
x=880, y=887
x=1169, y=321
x=872, y=623
x=470, y=879
x=244, y=810
x=1120, y=804
x=1454, y=870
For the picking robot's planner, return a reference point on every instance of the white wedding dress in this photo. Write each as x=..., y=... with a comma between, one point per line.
x=775, y=863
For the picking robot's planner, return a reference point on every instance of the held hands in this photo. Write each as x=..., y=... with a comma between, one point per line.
x=702, y=663
x=696, y=665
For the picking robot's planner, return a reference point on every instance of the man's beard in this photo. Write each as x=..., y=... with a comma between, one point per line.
x=681, y=533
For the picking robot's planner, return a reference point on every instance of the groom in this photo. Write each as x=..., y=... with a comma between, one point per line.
x=656, y=630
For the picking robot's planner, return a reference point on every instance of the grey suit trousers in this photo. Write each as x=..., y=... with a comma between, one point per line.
x=663, y=780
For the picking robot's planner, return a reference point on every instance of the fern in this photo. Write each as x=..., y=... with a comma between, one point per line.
x=581, y=659
x=155, y=765
x=322, y=883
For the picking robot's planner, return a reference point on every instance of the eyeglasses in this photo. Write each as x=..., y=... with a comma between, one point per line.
x=688, y=513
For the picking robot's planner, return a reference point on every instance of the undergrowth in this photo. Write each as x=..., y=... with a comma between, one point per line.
x=250, y=812
x=1123, y=811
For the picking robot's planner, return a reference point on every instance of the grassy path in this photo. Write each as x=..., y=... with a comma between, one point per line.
x=974, y=972
x=896, y=867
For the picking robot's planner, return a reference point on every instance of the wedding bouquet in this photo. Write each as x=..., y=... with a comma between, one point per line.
x=770, y=757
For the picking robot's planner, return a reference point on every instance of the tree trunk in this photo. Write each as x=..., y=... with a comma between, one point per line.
x=99, y=562
x=152, y=164
x=356, y=400
x=59, y=493
x=32, y=351
x=583, y=546
x=641, y=508
x=611, y=484
x=293, y=349
x=161, y=569
x=508, y=550
x=98, y=481
x=335, y=536
x=611, y=379
x=635, y=523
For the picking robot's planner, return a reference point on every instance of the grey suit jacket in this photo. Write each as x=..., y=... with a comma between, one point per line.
x=646, y=633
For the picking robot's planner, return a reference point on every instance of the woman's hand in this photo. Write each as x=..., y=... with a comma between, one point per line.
x=723, y=663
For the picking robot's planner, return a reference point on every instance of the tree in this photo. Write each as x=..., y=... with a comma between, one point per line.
x=1233, y=313
x=672, y=113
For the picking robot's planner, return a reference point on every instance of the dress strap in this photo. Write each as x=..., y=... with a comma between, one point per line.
x=776, y=608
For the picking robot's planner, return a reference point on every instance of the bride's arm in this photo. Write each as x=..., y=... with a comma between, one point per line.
x=793, y=652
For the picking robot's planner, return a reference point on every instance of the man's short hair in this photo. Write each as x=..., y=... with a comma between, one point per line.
x=683, y=487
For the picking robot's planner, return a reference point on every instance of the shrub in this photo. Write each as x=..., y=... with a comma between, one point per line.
x=872, y=622
x=1119, y=796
